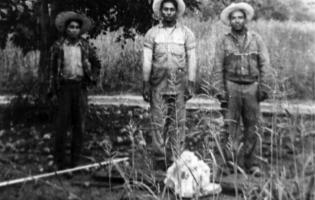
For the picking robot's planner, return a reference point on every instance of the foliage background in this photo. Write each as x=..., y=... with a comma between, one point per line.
x=286, y=26
x=291, y=47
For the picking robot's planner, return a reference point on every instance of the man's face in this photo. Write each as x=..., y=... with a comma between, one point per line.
x=168, y=12
x=237, y=20
x=73, y=29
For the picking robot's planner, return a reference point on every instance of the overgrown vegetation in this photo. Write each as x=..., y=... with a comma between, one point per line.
x=287, y=141
x=291, y=47
x=286, y=153
x=287, y=156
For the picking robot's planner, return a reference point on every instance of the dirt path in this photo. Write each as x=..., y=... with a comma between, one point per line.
x=280, y=107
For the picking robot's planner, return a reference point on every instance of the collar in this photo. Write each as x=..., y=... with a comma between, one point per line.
x=235, y=37
x=78, y=43
x=248, y=37
x=160, y=25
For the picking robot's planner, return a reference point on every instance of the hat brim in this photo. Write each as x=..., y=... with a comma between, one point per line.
x=63, y=17
x=248, y=9
x=157, y=5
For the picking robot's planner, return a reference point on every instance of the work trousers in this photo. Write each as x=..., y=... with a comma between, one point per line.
x=242, y=105
x=72, y=108
x=168, y=117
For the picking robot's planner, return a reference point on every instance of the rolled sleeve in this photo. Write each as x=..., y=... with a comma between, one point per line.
x=147, y=63
x=218, y=68
x=149, y=39
x=190, y=39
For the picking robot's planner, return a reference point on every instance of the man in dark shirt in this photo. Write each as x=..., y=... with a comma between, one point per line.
x=73, y=67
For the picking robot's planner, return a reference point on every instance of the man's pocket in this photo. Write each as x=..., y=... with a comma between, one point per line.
x=158, y=75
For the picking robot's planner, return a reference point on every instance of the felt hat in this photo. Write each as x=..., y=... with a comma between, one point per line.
x=157, y=5
x=63, y=17
x=248, y=9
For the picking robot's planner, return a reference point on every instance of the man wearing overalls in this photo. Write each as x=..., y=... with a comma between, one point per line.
x=74, y=66
x=169, y=73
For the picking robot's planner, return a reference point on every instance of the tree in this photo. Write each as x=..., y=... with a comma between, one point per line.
x=25, y=18
x=30, y=23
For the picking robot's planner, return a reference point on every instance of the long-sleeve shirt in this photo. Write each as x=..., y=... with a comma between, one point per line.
x=90, y=64
x=169, y=53
x=239, y=62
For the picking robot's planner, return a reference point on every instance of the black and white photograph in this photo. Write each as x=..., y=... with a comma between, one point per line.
x=157, y=100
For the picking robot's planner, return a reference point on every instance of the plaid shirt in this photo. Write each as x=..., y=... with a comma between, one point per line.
x=240, y=63
x=90, y=64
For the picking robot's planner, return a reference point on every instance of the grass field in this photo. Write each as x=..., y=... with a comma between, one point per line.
x=291, y=47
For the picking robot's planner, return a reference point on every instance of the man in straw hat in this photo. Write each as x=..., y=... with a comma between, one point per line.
x=73, y=67
x=169, y=72
x=241, y=60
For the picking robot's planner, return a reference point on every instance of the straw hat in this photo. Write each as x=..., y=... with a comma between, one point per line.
x=63, y=17
x=180, y=7
x=248, y=9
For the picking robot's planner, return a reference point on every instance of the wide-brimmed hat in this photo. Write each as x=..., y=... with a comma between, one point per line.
x=248, y=9
x=63, y=17
x=157, y=5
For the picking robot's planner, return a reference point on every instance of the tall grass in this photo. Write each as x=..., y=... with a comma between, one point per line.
x=291, y=47
x=18, y=72
x=286, y=152
x=290, y=44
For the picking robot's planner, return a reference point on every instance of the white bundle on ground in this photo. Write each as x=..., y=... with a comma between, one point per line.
x=189, y=176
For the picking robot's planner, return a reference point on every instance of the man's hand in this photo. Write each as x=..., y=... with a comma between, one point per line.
x=190, y=90
x=224, y=103
x=146, y=91
x=262, y=93
x=222, y=97
x=52, y=97
x=87, y=63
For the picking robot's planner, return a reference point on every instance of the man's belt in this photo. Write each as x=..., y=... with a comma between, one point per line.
x=241, y=79
x=71, y=81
